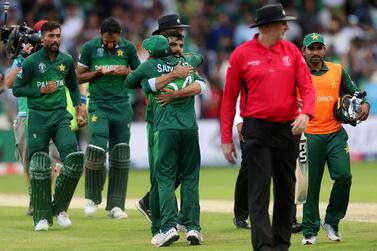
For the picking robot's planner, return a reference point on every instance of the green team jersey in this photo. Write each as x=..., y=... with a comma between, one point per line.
x=108, y=87
x=195, y=58
x=37, y=70
x=180, y=114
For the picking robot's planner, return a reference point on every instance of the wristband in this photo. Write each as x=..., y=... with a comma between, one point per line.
x=83, y=99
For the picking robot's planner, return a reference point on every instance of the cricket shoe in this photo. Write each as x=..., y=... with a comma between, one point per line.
x=141, y=207
x=90, y=208
x=166, y=238
x=182, y=228
x=155, y=238
x=117, y=213
x=241, y=224
x=42, y=225
x=63, y=219
x=194, y=237
x=332, y=232
x=308, y=240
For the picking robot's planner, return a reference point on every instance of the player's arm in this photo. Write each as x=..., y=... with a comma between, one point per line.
x=74, y=91
x=21, y=87
x=196, y=88
x=178, y=72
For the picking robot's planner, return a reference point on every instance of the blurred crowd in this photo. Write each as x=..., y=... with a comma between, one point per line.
x=217, y=27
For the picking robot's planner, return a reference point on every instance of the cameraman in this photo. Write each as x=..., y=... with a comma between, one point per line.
x=19, y=124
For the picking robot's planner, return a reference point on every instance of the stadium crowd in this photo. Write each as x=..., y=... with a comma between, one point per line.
x=217, y=27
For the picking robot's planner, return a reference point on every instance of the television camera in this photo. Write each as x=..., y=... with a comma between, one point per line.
x=16, y=36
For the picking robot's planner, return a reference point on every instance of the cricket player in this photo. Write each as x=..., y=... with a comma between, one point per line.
x=104, y=62
x=42, y=80
x=176, y=146
x=327, y=141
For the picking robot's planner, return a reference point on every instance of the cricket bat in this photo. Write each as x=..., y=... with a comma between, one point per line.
x=301, y=188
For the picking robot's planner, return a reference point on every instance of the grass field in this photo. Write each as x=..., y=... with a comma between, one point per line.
x=100, y=233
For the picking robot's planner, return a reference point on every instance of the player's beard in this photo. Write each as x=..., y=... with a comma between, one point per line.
x=53, y=47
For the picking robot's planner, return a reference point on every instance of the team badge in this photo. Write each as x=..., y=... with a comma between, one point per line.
x=61, y=67
x=100, y=52
x=333, y=84
x=286, y=61
x=94, y=119
x=42, y=68
x=314, y=36
x=120, y=53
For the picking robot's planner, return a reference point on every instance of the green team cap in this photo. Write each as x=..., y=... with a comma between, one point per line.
x=156, y=45
x=313, y=38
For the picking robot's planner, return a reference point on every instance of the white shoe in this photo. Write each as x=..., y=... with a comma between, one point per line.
x=63, y=219
x=332, y=232
x=167, y=238
x=155, y=238
x=194, y=237
x=117, y=213
x=90, y=208
x=182, y=228
x=308, y=240
x=42, y=225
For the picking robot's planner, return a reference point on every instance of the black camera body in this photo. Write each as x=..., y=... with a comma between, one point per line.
x=15, y=37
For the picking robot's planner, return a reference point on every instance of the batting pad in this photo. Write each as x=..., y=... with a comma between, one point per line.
x=95, y=172
x=40, y=183
x=119, y=165
x=67, y=181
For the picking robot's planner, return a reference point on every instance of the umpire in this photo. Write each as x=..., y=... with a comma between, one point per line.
x=272, y=123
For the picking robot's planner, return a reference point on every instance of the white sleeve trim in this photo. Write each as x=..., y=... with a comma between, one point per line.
x=152, y=84
x=237, y=117
x=203, y=86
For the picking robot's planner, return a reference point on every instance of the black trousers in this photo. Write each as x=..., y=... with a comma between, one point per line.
x=241, y=199
x=271, y=151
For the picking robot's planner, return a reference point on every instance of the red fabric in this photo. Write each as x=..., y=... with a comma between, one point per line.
x=271, y=77
x=38, y=25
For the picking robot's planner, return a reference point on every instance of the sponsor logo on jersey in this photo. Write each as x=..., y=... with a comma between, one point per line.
x=325, y=99
x=42, y=68
x=100, y=52
x=286, y=61
x=254, y=62
x=109, y=67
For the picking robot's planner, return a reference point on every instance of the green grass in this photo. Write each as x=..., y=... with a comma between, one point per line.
x=218, y=183
x=100, y=233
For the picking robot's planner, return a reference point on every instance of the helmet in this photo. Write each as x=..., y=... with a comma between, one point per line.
x=346, y=110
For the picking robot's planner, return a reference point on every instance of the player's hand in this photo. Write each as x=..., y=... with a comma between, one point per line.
x=105, y=71
x=51, y=87
x=363, y=111
x=300, y=123
x=167, y=96
x=121, y=70
x=81, y=115
x=230, y=153
x=239, y=129
x=182, y=71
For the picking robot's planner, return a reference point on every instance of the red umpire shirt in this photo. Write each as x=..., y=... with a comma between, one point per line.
x=267, y=79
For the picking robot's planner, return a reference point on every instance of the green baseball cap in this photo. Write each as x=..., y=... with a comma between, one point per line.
x=313, y=38
x=157, y=45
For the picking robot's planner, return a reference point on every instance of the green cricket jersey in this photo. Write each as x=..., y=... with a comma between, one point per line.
x=37, y=71
x=195, y=58
x=108, y=87
x=180, y=114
